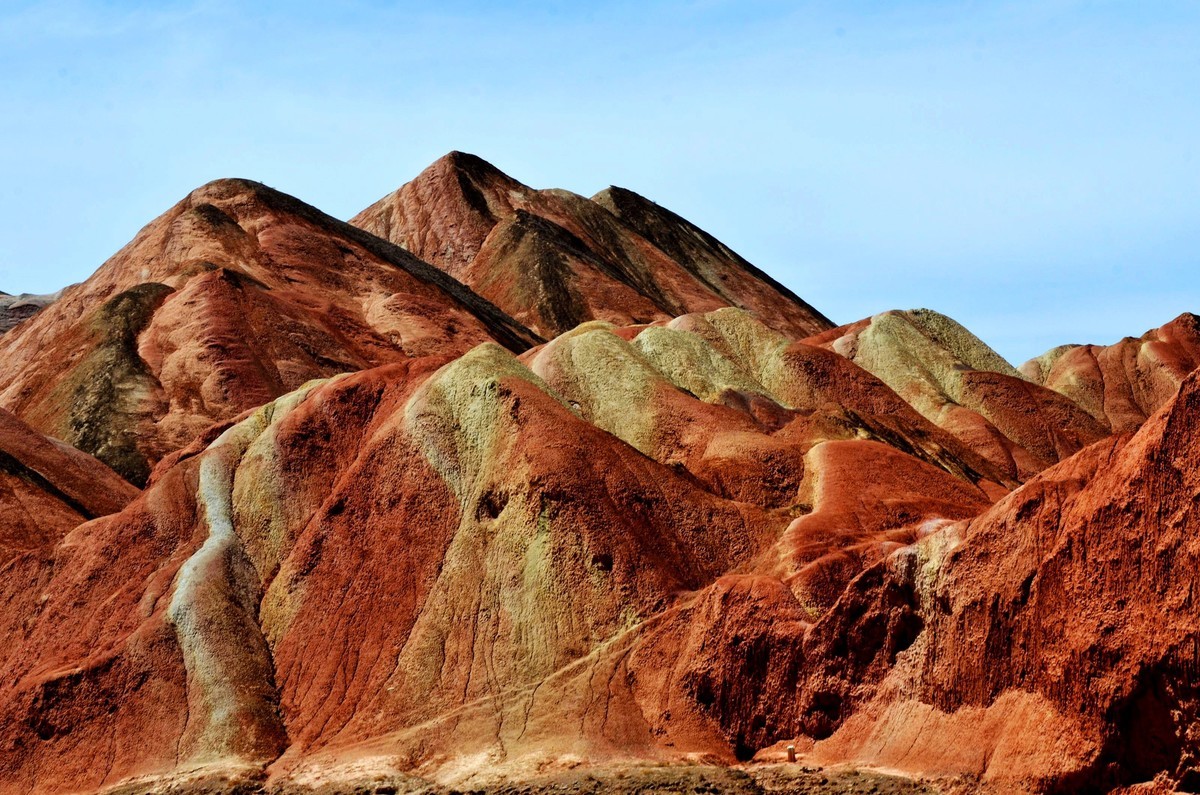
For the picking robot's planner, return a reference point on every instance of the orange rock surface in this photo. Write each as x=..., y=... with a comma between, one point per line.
x=1122, y=384
x=1061, y=628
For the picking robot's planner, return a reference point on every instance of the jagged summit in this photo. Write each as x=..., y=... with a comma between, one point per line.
x=649, y=266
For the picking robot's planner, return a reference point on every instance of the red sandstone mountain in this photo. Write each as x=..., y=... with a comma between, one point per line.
x=1122, y=384
x=231, y=298
x=954, y=380
x=553, y=259
x=468, y=558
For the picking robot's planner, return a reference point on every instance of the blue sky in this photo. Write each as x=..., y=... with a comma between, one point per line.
x=1028, y=168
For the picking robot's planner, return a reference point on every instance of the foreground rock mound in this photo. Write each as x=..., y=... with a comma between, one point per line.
x=1061, y=627
x=553, y=259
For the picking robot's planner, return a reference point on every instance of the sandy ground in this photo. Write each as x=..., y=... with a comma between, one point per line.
x=659, y=780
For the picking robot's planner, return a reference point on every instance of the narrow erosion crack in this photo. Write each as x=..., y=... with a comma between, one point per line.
x=529, y=709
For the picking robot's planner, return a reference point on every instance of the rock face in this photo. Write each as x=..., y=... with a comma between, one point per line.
x=1061, y=626
x=1122, y=384
x=15, y=309
x=47, y=488
x=553, y=259
x=390, y=539
x=231, y=298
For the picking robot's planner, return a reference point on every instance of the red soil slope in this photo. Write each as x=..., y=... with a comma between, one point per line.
x=1122, y=384
x=231, y=298
x=953, y=379
x=426, y=557
x=47, y=488
x=553, y=259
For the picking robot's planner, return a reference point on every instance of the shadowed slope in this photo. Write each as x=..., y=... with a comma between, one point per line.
x=46, y=490
x=255, y=544
x=234, y=296
x=721, y=268
x=578, y=261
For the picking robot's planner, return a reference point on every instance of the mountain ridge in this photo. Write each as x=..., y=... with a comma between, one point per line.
x=568, y=490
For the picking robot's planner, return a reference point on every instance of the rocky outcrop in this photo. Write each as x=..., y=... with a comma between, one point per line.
x=1060, y=628
x=553, y=259
x=15, y=309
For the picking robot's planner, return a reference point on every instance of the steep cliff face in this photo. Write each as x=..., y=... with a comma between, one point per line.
x=1060, y=627
x=553, y=259
x=1124, y=383
x=231, y=298
x=15, y=309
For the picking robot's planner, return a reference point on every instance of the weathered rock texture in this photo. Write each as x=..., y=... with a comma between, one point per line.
x=391, y=539
x=1061, y=629
x=553, y=259
x=1122, y=384
x=475, y=553
x=231, y=298
x=15, y=309
x=47, y=488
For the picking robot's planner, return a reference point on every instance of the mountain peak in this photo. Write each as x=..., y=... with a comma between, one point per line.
x=639, y=262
